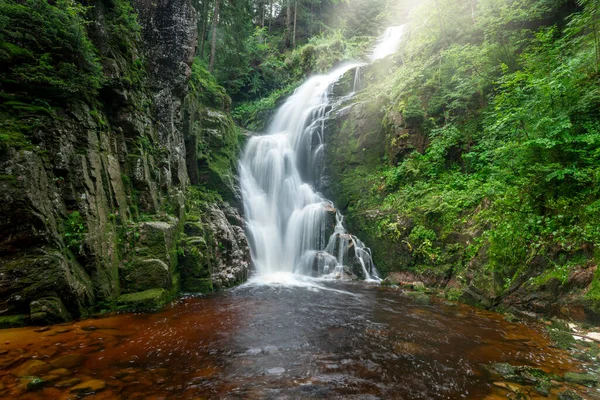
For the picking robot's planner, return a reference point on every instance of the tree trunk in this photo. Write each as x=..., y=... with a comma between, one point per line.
x=270, y=14
x=204, y=26
x=295, y=17
x=288, y=23
x=213, y=46
x=312, y=7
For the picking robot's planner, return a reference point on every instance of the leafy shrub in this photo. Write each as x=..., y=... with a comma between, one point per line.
x=44, y=48
x=75, y=230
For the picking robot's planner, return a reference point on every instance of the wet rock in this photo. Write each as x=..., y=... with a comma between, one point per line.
x=419, y=297
x=67, y=383
x=543, y=388
x=152, y=299
x=13, y=321
x=50, y=378
x=26, y=281
x=32, y=368
x=67, y=361
x=276, y=371
x=32, y=383
x=508, y=386
x=569, y=395
x=231, y=249
x=48, y=310
x=590, y=380
x=518, y=374
x=141, y=275
x=195, y=262
x=89, y=387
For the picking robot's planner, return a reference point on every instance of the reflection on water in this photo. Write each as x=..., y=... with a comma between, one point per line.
x=259, y=342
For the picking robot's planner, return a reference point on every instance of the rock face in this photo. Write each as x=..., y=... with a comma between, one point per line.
x=96, y=204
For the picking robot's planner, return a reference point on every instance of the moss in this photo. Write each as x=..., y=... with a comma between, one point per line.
x=197, y=285
x=75, y=231
x=46, y=50
x=8, y=178
x=14, y=321
x=140, y=275
x=589, y=380
x=593, y=294
x=148, y=300
x=560, y=336
x=205, y=86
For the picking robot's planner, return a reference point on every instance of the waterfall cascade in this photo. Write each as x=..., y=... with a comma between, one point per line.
x=292, y=228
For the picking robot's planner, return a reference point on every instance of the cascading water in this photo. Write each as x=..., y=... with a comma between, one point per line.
x=388, y=43
x=292, y=228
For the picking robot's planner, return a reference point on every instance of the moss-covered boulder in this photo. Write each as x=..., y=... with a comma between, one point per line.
x=591, y=380
x=140, y=275
x=148, y=300
x=48, y=310
x=195, y=265
x=30, y=279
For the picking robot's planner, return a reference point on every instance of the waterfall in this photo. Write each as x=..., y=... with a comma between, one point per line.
x=388, y=43
x=291, y=228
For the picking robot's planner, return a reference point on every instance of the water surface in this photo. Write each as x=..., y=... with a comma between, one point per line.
x=343, y=340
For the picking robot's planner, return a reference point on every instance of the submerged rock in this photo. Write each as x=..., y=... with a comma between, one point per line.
x=518, y=374
x=590, y=380
x=569, y=395
x=32, y=368
x=89, y=387
x=67, y=361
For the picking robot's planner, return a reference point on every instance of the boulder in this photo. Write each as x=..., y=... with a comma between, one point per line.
x=590, y=380
x=148, y=300
x=48, y=310
x=140, y=275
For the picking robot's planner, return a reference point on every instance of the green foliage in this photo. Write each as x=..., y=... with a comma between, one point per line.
x=75, y=231
x=205, y=86
x=255, y=115
x=44, y=49
x=123, y=25
x=422, y=245
x=493, y=108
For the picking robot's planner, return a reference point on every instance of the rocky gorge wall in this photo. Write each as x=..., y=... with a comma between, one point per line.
x=118, y=198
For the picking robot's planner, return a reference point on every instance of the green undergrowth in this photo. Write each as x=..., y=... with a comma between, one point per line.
x=204, y=85
x=492, y=145
x=278, y=75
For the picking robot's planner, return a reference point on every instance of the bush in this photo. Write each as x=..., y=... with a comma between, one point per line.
x=44, y=49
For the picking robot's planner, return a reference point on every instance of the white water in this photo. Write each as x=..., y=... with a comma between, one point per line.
x=293, y=230
x=389, y=43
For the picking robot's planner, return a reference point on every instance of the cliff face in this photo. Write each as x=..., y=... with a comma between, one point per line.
x=98, y=211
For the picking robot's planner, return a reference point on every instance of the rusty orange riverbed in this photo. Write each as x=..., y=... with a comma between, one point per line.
x=355, y=341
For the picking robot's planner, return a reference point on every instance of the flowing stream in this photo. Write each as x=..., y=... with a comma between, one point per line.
x=292, y=229
x=282, y=342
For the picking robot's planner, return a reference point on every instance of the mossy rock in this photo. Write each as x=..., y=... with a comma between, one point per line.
x=590, y=380
x=194, y=263
x=197, y=285
x=519, y=374
x=569, y=395
x=14, y=321
x=48, y=310
x=148, y=300
x=140, y=275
